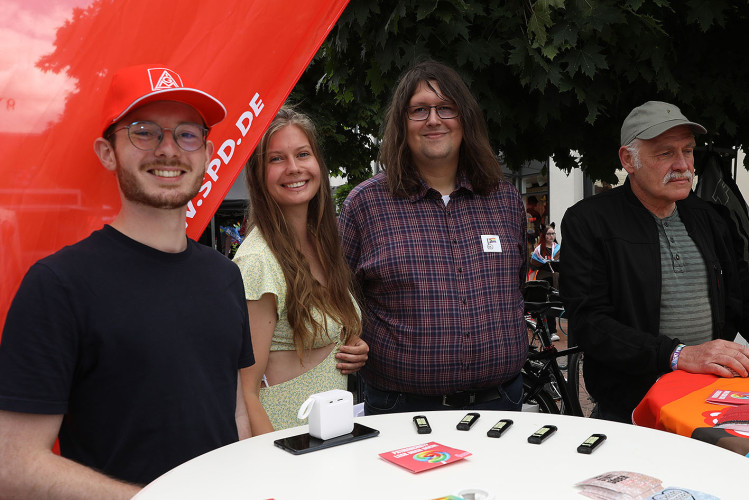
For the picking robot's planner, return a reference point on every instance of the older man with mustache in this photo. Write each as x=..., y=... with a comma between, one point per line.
x=650, y=279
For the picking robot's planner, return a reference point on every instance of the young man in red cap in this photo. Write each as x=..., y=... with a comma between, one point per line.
x=127, y=345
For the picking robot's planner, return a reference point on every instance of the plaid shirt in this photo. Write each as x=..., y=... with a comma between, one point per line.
x=444, y=310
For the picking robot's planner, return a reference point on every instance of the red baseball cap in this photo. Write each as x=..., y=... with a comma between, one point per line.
x=138, y=85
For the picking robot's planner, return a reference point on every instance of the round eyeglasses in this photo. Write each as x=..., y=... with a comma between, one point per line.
x=147, y=136
x=421, y=113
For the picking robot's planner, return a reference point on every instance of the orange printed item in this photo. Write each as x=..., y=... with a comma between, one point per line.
x=678, y=402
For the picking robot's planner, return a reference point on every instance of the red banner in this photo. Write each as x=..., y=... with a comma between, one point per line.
x=56, y=60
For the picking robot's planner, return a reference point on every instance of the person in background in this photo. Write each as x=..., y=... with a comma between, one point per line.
x=438, y=246
x=127, y=345
x=650, y=280
x=305, y=322
x=545, y=257
x=535, y=220
x=544, y=265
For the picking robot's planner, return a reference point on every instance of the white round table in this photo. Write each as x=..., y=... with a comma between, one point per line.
x=508, y=467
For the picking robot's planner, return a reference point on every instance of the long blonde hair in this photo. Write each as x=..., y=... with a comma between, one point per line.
x=304, y=292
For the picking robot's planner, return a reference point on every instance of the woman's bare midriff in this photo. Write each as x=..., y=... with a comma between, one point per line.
x=285, y=365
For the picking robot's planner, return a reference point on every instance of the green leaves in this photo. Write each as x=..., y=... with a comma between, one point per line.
x=587, y=60
x=551, y=75
x=538, y=22
x=706, y=13
x=424, y=9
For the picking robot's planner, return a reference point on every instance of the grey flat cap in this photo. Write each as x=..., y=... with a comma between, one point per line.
x=652, y=119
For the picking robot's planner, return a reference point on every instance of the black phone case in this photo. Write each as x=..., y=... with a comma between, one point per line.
x=304, y=443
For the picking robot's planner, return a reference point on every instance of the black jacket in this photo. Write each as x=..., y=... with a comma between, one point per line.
x=611, y=287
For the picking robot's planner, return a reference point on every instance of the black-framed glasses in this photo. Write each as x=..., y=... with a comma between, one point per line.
x=421, y=113
x=147, y=136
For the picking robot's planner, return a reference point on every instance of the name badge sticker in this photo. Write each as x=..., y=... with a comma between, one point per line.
x=490, y=243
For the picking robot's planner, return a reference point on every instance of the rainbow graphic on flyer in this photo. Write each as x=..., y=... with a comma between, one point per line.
x=432, y=457
x=728, y=397
x=424, y=456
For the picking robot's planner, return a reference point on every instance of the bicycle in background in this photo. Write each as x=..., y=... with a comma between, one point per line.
x=544, y=383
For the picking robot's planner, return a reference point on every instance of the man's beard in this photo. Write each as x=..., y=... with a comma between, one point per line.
x=133, y=190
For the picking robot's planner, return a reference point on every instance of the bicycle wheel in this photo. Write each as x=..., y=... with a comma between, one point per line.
x=576, y=383
x=543, y=399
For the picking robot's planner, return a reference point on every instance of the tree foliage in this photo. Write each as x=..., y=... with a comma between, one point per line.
x=552, y=76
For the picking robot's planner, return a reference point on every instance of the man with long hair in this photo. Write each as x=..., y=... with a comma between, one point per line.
x=437, y=244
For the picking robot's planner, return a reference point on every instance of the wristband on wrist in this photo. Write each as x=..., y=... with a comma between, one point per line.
x=675, y=356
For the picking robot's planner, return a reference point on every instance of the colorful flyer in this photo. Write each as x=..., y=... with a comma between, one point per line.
x=724, y=397
x=425, y=456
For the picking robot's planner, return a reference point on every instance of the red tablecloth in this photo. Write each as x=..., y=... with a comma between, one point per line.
x=677, y=403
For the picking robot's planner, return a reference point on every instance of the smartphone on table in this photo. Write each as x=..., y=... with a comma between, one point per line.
x=304, y=443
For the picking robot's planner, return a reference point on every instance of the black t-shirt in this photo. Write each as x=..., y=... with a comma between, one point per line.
x=139, y=349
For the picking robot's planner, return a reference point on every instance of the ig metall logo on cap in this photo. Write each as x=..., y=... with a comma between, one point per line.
x=163, y=78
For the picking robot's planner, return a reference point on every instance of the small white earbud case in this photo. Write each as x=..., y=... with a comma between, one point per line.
x=331, y=413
